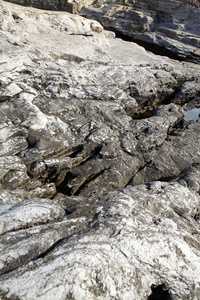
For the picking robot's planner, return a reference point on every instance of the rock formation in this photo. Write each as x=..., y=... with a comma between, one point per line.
x=99, y=167
x=167, y=27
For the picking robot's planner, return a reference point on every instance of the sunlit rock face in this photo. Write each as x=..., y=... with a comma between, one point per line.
x=99, y=166
x=167, y=27
x=116, y=246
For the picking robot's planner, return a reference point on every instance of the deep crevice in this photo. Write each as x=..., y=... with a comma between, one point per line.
x=76, y=151
x=145, y=114
x=160, y=292
x=197, y=217
x=139, y=170
x=56, y=244
x=167, y=178
x=89, y=179
x=63, y=186
x=156, y=49
x=126, y=151
x=161, y=50
x=175, y=128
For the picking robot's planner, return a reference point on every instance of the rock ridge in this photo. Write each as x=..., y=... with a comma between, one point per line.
x=169, y=28
x=99, y=167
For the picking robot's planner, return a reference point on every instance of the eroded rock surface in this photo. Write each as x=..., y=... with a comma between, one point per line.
x=99, y=170
x=134, y=238
x=167, y=27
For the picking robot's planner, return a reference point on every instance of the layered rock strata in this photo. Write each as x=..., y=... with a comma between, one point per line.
x=167, y=27
x=99, y=169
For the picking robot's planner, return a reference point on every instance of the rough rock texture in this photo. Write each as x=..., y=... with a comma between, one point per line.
x=134, y=238
x=99, y=169
x=168, y=27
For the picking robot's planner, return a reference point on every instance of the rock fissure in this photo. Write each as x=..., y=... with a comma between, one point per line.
x=160, y=292
x=88, y=180
x=99, y=167
x=51, y=248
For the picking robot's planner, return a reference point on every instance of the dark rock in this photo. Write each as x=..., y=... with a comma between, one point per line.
x=160, y=292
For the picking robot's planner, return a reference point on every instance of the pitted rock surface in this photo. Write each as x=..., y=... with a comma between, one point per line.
x=99, y=170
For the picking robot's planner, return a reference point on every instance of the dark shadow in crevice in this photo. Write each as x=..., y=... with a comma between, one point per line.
x=76, y=151
x=143, y=115
x=160, y=292
x=63, y=186
x=167, y=178
x=139, y=170
x=88, y=180
x=176, y=128
x=156, y=49
x=161, y=50
x=70, y=209
x=56, y=244
x=94, y=223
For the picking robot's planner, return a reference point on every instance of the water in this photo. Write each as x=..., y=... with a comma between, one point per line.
x=192, y=114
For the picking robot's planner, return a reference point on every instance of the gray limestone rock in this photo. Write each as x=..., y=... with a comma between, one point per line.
x=167, y=27
x=99, y=169
x=136, y=237
x=13, y=172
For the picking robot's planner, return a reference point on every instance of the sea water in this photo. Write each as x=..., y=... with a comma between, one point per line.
x=192, y=114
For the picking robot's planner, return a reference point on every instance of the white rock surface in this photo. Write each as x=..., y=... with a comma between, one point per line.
x=85, y=118
x=139, y=236
x=29, y=213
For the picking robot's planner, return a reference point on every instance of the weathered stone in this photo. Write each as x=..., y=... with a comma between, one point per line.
x=13, y=172
x=190, y=177
x=10, y=91
x=168, y=27
x=90, y=114
x=27, y=244
x=34, y=189
x=28, y=214
x=139, y=236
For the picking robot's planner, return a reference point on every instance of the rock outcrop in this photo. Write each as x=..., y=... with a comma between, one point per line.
x=99, y=168
x=167, y=27
x=115, y=247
